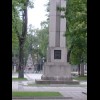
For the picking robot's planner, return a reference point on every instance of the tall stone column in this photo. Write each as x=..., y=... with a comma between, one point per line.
x=56, y=66
x=56, y=69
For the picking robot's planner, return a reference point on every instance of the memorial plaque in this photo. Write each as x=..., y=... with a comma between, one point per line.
x=57, y=54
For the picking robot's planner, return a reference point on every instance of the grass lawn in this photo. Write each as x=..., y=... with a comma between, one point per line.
x=19, y=79
x=35, y=94
x=80, y=78
x=38, y=84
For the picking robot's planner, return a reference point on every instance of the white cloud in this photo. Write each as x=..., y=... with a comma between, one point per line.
x=37, y=14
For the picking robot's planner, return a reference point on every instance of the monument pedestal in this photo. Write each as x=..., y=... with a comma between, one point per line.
x=56, y=73
x=70, y=82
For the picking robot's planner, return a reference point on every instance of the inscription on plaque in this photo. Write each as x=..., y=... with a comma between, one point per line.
x=57, y=54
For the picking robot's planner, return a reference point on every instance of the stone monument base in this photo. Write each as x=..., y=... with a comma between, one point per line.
x=71, y=82
x=56, y=73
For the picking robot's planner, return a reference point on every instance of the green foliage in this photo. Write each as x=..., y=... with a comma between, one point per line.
x=76, y=16
x=14, y=43
x=17, y=9
x=81, y=78
x=41, y=38
x=43, y=41
x=16, y=22
x=19, y=79
x=35, y=94
x=14, y=35
x=37, y=37
x=19, y=27
x=76, y=33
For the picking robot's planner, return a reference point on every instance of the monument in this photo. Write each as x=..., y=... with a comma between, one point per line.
x=29, y=65
x=56, y=70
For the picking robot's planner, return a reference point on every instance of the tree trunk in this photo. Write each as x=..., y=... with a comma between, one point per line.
x=82, y=69
x=22, y=38
x=21, y=60
x=79, y=69
x=68, y=55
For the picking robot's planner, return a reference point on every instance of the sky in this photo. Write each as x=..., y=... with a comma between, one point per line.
x=37, y=14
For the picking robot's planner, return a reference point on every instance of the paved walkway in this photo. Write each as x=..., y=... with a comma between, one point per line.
x=67, y=91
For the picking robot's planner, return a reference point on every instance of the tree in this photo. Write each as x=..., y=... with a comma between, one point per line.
x=30, y=43
x=14, y=44
x=41, y=35
x=76, y=16
x=40, y=38
x=19, y=23
x=14, y=35
x=76, y=33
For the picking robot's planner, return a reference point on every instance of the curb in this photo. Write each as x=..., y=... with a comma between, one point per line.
x=42, y=98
